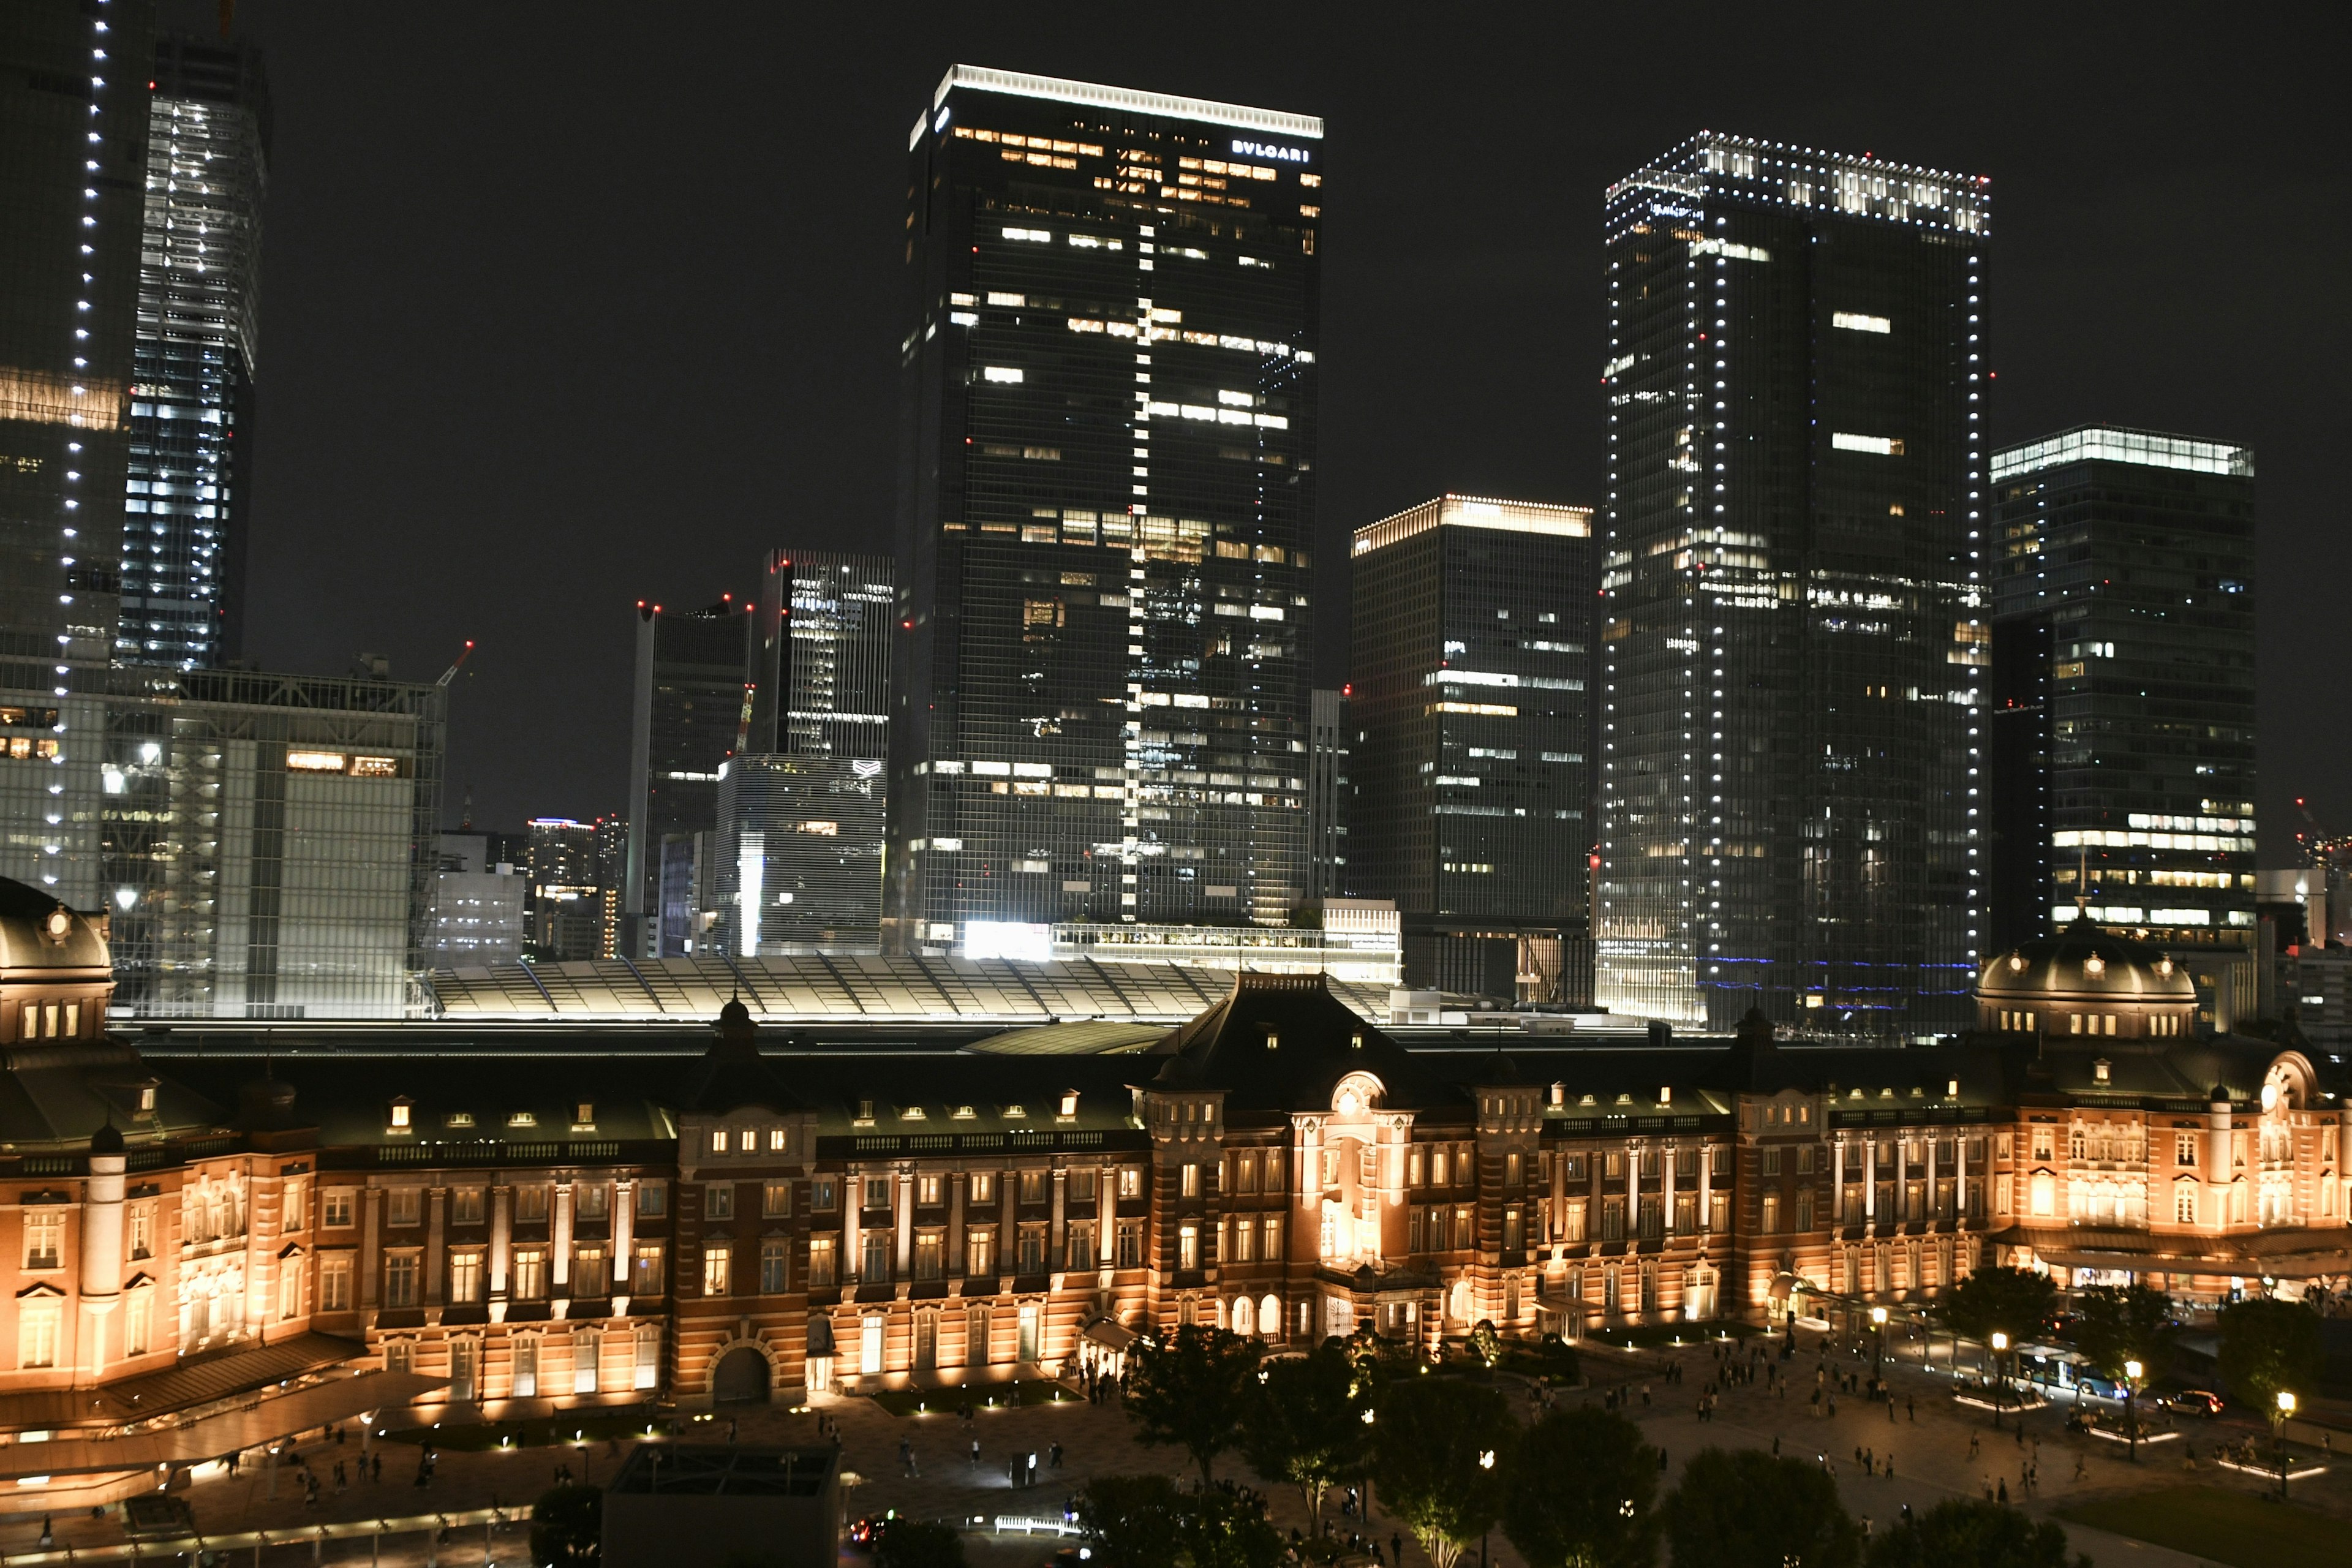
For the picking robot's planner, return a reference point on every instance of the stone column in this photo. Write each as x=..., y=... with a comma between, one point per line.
x=1667, y=1188
x=1931, y=1180
x=956, y=1238
x=371, y=1247
x=905, y=1218
x=1870, y=1179
x=559, y=1247
x=1056, y=1242
x=436, y=1208
x=101, y=1281
x=625, y=1216
x=1706, y=1186
x=1837, y=1179
x=852, y=1198
x=501, y=1251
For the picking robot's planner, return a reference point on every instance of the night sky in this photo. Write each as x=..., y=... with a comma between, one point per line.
x=568, y=306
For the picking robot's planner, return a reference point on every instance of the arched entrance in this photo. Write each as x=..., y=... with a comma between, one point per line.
x=740, y=1377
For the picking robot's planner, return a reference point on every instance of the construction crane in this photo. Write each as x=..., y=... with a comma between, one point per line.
x=450, y=674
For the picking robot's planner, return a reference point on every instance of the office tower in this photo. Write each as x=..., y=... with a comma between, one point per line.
x=1794, y=627
x=802, y=810
x=687, y=717
x=263, y=844
x=1472, y=630
x=1110, y=394
x=477, y=904
x=188, y=506
x=2124, y=687
x=820, y=674
x=73, y=137
x=576, y=872
x=1329, y=786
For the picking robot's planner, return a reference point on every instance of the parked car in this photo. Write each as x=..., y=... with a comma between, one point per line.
x=2194, y=1402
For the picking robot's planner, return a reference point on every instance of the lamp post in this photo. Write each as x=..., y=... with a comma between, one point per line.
x=1486, y=1462
x=2132, y=1370
x=1999, y=1343
x=1878, y=1344
x=2278, y=1431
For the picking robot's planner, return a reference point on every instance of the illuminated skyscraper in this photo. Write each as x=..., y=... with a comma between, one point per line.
x=1101, y=693
x=1794, y=625
x=821, y=655
x=191, y=438
x=2123, y=712
x=1472, y=626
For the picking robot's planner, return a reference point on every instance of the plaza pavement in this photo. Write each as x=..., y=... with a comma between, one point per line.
x=1930, y=1455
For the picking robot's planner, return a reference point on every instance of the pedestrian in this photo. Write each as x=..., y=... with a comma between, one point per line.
x=1056, y=1452
x=2002, y=1495
x=731, y=1431
x=2082, y=1465
x=1972, y=1447
x=1890, y=1412
x=975, y=1453
x=1890, y=1467
x=1865, y=1527
x=1396, y=1549
x=1775, y=1445
x=1911, y=1404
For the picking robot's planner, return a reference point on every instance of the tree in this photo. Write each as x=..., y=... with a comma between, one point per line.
x=1145, y=1521
x=1306, y=1427
x=567, y=1526
x=1744, y=1509
x=2269, y=1347
x=1485, y=1344
x=2114, y=1325
x=2013, y=1301
x=1130, y=1521
x=1584, y=1491
x=918, y=1544
x=1969, y=1532
x=1193, y=1392
x=1428, y=1446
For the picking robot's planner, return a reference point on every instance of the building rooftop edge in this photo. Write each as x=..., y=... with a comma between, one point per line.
x=1061, y=89
x=1454, y=509
x=2155, y=450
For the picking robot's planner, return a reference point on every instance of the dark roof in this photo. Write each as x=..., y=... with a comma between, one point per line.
x=61, y=1095
x=1283, y=1042
x=28, y=947
x=2086, y=962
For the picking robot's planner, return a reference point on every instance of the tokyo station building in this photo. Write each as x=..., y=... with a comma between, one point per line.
x=513, y=1223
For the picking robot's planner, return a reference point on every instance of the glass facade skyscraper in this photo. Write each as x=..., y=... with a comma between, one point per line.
x=191, y=438
x=687, y=719
x=2123, y=714
x=1100, y=708
x=1794, y=628
x=821, y=655
x=1472, y=623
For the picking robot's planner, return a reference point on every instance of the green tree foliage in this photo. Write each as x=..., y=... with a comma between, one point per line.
x=567, y=1526
x=2116, y=1324
x=918, y=1544
x=2013, y=1301
x=1485, y=1344
x=1583, y=1493
x=1306, y=1426
x=1192, y=1392
x=1744, y=1509
x=1969, y=1532
x=2268, y=1346
x=1148, y=1521
x=1427, y=1447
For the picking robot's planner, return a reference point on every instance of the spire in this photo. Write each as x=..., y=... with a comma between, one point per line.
x=2083, y=884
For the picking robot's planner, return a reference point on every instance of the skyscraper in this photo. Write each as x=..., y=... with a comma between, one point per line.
x=1472, y=624
x=191, y=439
x=575, y=897
x=1794, y=625
x=1100, y=708
x=1329, y=785
x=2123, y=715
x=686, y=715
x=73, y=136
x=820, y=655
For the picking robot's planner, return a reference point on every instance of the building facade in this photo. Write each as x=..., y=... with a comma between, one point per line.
x=1793, y=624
x=800, y=854
x=477, y=904
x=577, y=877
x=820, y=680
x=1472, y=633
x=1107, y=510
x=188, y=493
x=711, y=1223
x=687, y=719
x=2123, y=717
x=1329, y=787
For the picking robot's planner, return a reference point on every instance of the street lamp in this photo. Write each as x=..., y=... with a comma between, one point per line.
x=1999, y=1343
x=1878, y=1344
x=2132, y=1370
x=1485, y=1462
x=2278, y=1431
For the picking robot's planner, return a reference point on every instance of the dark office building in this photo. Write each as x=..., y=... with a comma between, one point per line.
x=820, y=674
x=73, y=155
x=1109, y=393
x=1793, y=630
x=1329, y=787
x=1472, y=646
x=686, y=716
x=2122, y=716
x=573, y=912
x=189, y=483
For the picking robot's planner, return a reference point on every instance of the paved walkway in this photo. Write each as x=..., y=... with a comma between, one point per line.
x=1931, y=1456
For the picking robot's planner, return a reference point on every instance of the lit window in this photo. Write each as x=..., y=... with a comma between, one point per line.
x=1854, y=323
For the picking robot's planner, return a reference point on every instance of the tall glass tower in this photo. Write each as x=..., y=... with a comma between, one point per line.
x=2123, y=714
x=1100, y=697
x=1793, y=624
x=188, y=483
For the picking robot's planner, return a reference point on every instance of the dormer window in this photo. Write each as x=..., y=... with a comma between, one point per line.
x=1665, y=1094
x=584, y=1114
x=461, y=1118
x=1951, y=1089
x=912, y=1113
x=147, y=1098
x=865, y=1113
x=1015, y=1112
x=1560, y=1094
x=964, y=1113
x=522, y=1119
x=1356, y=1040
x=2099, y=1070
x=1273, y=1040
x=400, y=1113
x=1070, y=1102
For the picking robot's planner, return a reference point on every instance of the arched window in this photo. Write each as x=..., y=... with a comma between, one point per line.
x=1245, y=1316
x=1269, y=1317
